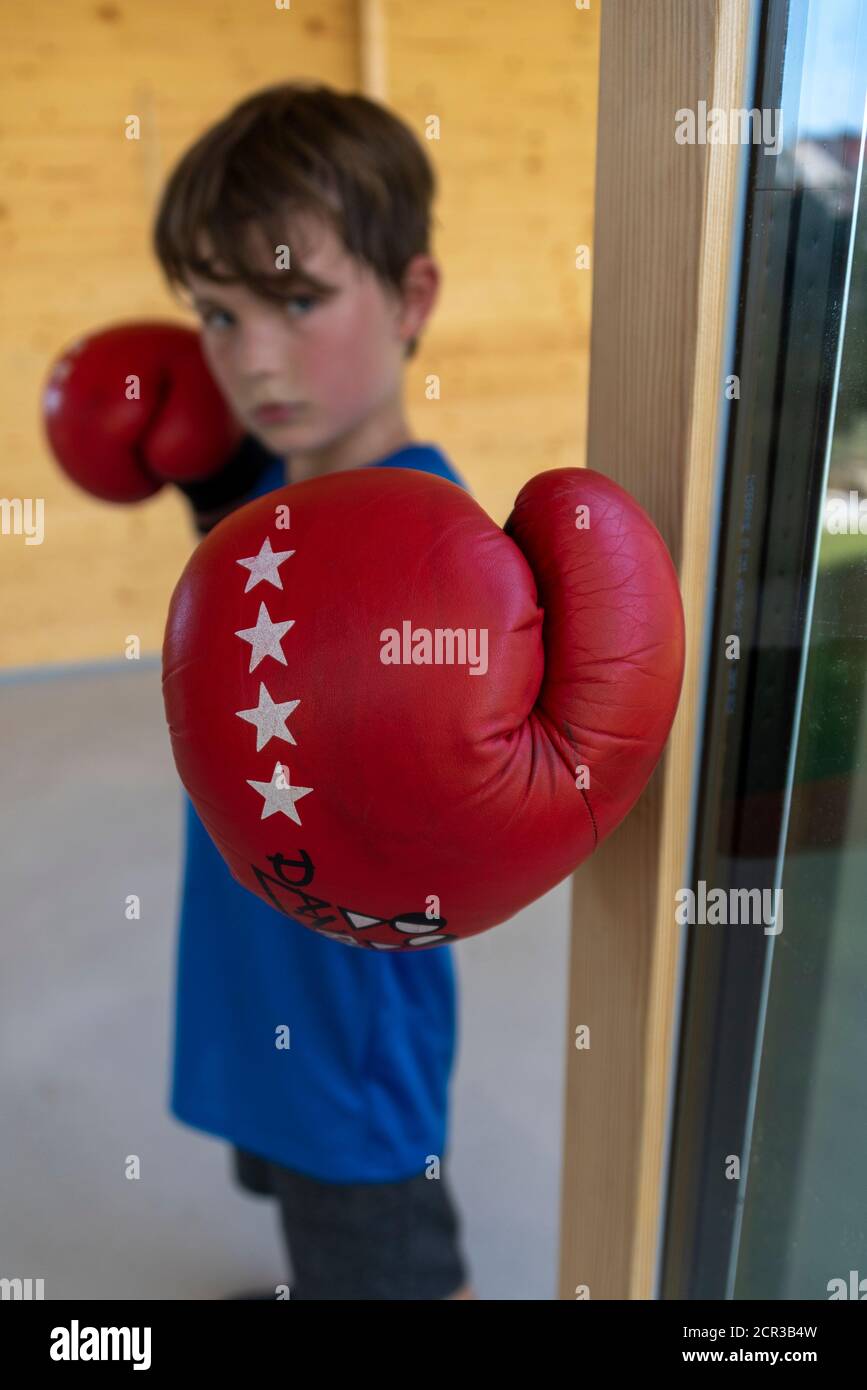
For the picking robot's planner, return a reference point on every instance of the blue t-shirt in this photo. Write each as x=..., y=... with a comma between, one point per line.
x=361, y=1092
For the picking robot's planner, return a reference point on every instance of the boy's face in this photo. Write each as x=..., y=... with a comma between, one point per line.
x=329, y=359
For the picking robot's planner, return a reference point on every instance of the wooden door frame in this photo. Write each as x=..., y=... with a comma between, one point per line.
x=662, y=258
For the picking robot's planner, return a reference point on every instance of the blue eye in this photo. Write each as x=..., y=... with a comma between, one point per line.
x=219, y=319
x=307, y=299
x=210, y=314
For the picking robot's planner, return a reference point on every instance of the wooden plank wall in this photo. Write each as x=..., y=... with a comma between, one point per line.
x=76, y=249
x=514, y=87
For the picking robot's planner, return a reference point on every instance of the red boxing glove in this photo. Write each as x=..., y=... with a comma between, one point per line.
x=132, y=407
x=400, y=724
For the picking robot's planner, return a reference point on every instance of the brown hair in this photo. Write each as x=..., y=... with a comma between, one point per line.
x=297, y=147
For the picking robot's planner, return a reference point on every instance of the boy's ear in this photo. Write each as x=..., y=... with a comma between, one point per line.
x=419, y=292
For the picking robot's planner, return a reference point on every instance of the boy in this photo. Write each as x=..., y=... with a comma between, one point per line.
x=299, y=225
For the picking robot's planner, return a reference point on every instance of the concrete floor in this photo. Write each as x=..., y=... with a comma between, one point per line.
x=90, y=811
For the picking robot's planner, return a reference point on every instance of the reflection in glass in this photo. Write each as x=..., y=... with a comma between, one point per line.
x=805, y=1215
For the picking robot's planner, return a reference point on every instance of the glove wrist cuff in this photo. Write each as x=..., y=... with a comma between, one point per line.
x=219, y=493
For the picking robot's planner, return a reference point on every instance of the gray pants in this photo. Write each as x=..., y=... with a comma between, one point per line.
x=361, y=1241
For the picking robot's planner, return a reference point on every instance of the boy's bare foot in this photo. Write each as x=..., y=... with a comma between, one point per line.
x=465, y=1292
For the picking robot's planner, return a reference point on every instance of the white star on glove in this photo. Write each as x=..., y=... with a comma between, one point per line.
x=265, y=638
x=269, y=718
x=265, y=566
x=279, y=794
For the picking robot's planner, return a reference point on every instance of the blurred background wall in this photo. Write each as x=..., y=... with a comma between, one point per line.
x=514, y=87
